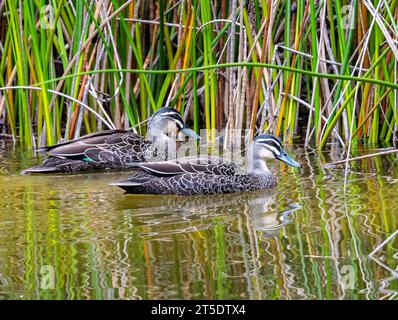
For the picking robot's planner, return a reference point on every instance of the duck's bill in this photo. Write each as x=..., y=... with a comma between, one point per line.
x=286, y=159
x=190, y=133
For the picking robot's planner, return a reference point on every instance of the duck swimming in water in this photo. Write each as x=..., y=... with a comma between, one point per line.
x=117, y=149
x=208, y=175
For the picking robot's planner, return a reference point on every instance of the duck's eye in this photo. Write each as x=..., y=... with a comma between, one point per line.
x=273, y=144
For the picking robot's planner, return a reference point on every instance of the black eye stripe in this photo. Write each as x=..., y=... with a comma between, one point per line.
x=176, y=117
x=274, y=144
x=173, y=115
x=271, y=143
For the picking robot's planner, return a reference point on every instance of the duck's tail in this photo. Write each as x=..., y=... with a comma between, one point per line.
x=128, y=186
x=135, y=183
x=40, y=169
x=59, y=165
x=50, y=165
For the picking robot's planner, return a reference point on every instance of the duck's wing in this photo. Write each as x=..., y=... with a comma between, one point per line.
x=92, y=137
x=110, y=147
x=202, y=164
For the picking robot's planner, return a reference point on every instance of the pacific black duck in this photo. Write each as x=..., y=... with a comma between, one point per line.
x=117, y=149
x=207, y=175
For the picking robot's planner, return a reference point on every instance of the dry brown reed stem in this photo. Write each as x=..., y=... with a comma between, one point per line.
x=289, y=81
x=382, y=153
x=183, y=60
x=90, y=37
x=133, y=13
x=87, y=67
x=259, y=82
x=9, y=83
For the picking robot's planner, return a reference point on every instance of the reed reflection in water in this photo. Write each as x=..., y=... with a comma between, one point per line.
x=306, y=239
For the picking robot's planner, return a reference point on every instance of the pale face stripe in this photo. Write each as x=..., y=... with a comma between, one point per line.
x=265, y=140
x=170, y=115
x=274, y=150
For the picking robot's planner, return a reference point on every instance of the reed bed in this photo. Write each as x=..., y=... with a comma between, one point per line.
x=321, y=71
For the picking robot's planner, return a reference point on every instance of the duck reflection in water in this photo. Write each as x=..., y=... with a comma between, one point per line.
x=261, y=207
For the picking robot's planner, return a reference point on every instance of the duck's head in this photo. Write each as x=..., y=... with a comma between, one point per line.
x=169, y=121
x=267, y=146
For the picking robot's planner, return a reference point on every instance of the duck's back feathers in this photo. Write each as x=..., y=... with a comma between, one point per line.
x=92, y=138
x=196, y=164
x=105, y=149
x=113, y=148
x=119, y=149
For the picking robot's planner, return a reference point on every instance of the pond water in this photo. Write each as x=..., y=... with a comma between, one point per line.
x=76, y=237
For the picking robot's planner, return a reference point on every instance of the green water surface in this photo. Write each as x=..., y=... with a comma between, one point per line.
x=76, y=237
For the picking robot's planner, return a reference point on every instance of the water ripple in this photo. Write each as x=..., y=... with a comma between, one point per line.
x=291, y=243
